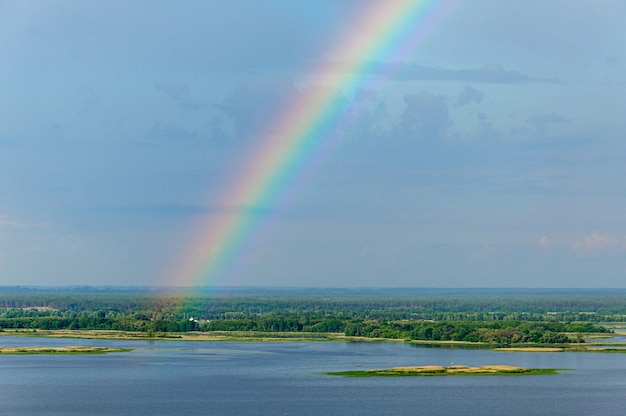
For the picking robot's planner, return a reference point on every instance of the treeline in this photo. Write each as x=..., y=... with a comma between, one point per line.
x=501, y=333
x=410, y=304
x=101, y=323
x=494, y=332
x=500, y=317
x=279, y=324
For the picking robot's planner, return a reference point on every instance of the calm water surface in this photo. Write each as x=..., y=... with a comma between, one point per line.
x=210, y=378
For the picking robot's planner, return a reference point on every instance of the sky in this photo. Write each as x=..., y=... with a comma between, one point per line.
x=488, y=152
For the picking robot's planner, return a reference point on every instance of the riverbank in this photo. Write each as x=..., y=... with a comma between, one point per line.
x=226, y=336
x=249, y=336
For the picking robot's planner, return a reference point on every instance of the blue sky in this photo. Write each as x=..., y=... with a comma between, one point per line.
x=492, y=156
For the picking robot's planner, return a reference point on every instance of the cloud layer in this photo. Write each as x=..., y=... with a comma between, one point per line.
x=489, y=153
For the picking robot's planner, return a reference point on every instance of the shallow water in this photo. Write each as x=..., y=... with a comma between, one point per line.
x=213, y=378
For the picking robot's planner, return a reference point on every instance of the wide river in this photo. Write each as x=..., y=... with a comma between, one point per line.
x=222, y=378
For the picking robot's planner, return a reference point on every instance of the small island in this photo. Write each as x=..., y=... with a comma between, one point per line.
x=454, y=370
x=74, y=349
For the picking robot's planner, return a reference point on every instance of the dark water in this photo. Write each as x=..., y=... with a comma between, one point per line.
x=200, y=378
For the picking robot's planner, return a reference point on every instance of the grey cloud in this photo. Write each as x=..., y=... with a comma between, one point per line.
x=469, y=95
x=543, y=121
x=485, y=130
x=253, y=104
x=170, y=132
x=180, y=93
x=425, y=116
x=219, y=128
x=494, y=74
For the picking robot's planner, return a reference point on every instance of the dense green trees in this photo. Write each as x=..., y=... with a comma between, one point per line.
x=500, y=317
x=501, y=333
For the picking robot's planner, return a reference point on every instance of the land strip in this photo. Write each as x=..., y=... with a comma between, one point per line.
x=254, y=336
x=231, y=336
x=455, y=370
x=73, y=349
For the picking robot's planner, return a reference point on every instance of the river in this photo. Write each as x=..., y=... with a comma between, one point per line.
x=255, y=378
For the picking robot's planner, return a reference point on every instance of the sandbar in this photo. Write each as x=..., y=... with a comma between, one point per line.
x=72, y=349
x=454, y=370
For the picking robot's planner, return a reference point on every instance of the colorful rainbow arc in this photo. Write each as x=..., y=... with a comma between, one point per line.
x=387, y=29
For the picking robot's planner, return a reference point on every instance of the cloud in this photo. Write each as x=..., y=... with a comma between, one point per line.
x=8, y=223
x=544, y=241
x=171, y=132
x=595, y=242
x=469, y=95
x=404, y=71
x=485, y=129
x=543, y=121
x=180, y=93
x=253, y=104
x=425, y=116
x=492, y=74
x=11, y=228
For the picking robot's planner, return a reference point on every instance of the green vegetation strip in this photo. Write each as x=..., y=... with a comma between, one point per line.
x=446, y=318
x=603, y=350
x=61, y=350
x=456, y=370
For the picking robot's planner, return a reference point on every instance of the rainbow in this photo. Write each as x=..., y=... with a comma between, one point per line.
x=386, y=29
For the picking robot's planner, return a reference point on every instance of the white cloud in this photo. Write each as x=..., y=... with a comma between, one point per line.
x=8, y=223
x=544, y=241
x=595, y=242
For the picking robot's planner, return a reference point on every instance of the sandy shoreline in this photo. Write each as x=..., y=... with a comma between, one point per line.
x=71, y=349
x=530, y=349
x=245, y=336
x=242, y=336
x=454, y=370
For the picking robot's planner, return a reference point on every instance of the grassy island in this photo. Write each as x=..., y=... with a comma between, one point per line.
x=75, y=349
x=454, y=370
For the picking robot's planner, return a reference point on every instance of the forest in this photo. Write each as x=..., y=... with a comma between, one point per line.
x=495, y=316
